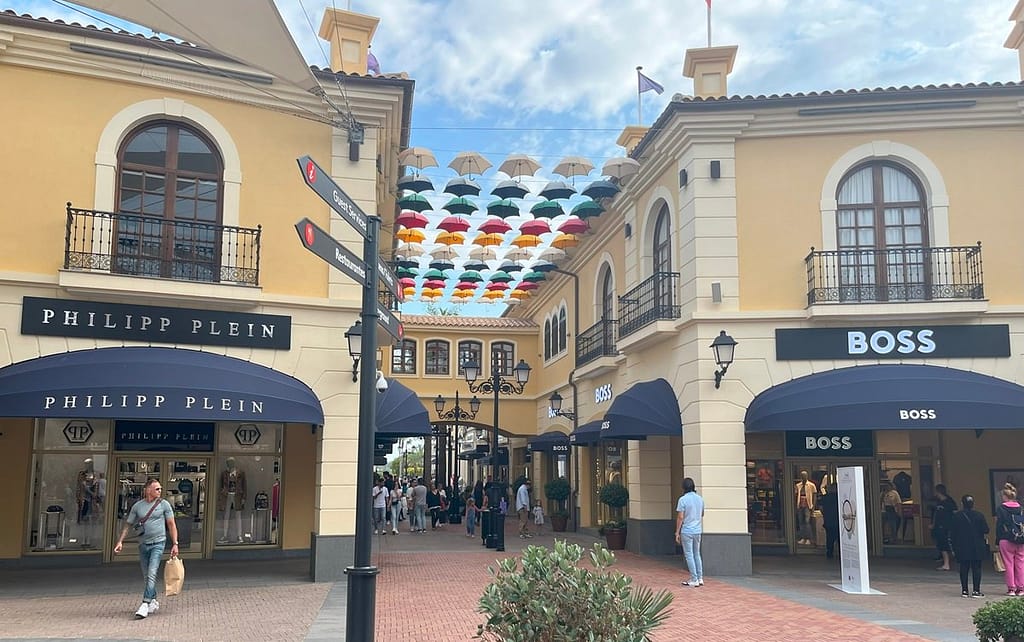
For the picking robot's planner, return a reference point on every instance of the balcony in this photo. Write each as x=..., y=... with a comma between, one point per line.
x=655, y=299
x=134, y=245
x=596, y=341
x=895, y=275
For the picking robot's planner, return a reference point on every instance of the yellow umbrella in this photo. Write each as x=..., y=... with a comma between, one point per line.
x=519, y=294
x=464, y=294
x=488, y=240
x=409, y=291
x=450, y=238
x=527, y=240
x=491, y=295
x=565, y=241
x=411, y=235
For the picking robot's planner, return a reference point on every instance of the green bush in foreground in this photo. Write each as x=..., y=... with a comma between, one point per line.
x=548, y=597
x=1003, y=620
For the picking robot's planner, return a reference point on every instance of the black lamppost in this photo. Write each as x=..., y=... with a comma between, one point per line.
x=724, y=347
x=556, y=407
x=455, y=415
x=497, y=386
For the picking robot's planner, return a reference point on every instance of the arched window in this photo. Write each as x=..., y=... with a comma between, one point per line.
x=881, y=230
x=503, y=355
x=547, y=339
x=470, y=352
x=403, y=357
x=437, y=358
x=607, y=296
x=662, y=250
x=562, y=330
x=170, y=204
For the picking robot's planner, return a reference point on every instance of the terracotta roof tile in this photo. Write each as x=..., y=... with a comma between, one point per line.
x=450, y=321
x=681, y=98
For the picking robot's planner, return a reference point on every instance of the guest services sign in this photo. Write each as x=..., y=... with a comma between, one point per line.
x=98, y=320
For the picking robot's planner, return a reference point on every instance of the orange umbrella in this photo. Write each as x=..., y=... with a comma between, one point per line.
x=464, y=294
x=489, y=240
x=526, y=240
x=491, y=295
x=565, y=241
x=411, y=235
x=450, y=238
x=519, y=294
x=409, y=290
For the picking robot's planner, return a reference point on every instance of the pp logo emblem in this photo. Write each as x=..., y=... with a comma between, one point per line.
x=77, y=432
x=247, y=434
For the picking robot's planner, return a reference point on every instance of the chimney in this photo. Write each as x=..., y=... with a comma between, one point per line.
x=349, y=34
x=710, y=68
x=1016, y=38
x=632, y=134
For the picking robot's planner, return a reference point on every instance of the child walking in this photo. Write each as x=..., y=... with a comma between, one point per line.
x=538, y=517
x=471, y=516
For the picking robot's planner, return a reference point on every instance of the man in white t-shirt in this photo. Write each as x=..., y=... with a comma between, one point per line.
x=523, y=508
x=380, y=505
x=689, y=527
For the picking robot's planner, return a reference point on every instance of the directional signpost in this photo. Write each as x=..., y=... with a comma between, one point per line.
x=367, y=271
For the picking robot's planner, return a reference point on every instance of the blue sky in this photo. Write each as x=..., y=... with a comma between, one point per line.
x=550, y=78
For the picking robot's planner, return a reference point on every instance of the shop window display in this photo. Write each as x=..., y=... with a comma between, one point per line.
x=69, y=493
x=248, y=484
x=764, y=501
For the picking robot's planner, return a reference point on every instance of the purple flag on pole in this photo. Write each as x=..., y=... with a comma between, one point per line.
x=646, y=84
x=374, y=66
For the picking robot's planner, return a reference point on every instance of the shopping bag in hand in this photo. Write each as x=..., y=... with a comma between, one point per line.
x=174, y=576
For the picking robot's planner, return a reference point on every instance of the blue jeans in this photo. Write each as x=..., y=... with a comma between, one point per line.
x=691, y=548
x=149, y=560
x=419, y=518
x=378, y=517
x=396, y=511
x=471, y=525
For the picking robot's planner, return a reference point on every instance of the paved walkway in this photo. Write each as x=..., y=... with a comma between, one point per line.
x=429, y=585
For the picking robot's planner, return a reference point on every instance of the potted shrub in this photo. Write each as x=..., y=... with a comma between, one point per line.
x=558, y=490
x=548, y=595
x=615, y=496
x=1000, y=621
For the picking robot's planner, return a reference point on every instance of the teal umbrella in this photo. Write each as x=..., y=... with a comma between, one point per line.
x=587, y=209
x=601, y=189
x=474, y=265
x=503, y=208
x=433, y=273
x=500, y=277
x=533, y=277
x=471, y=276
x=547, y=209
x=415, y=202
x=460, y=205
x=404, y=271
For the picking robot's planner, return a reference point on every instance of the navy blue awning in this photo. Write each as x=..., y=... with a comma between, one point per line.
x=888, y=397
x=587, y=434
x=647, y=409
x=400, y=413
x=547, y=441
x=154, y=383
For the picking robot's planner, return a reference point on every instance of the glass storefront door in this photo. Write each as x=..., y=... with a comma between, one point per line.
x=806, y=482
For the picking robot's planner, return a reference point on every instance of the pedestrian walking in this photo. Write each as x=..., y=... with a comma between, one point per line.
x=380, y=506
x=538, y=517
x=396, y=507
x=689, y=527
x=471, y=511
x=942, y=521
x=970, y=545
x=523, y=508
x=152, y=518
x=478, y=496
x=1010, y=539
x=830, y=515
x=419, y=506
x=434, y=506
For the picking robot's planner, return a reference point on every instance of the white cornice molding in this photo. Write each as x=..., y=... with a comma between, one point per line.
x=6, y=39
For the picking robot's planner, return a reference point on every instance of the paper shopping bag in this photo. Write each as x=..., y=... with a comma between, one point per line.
x=174, y=576
x=997, y=560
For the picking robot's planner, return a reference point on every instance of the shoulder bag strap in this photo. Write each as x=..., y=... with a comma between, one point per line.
x=151, y=509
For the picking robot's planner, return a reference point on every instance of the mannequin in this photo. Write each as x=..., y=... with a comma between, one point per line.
x=231, y=499
x=87, y=496
x=805, y=494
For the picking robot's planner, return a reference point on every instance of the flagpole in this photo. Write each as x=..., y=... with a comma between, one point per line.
x=709, y=23
x=639, y=111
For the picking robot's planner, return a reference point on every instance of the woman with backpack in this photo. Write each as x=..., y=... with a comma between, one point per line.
x=1010, y=538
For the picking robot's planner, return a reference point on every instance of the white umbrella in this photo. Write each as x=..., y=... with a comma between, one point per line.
x=573, y=166
x=469, y=163
x=519, y=165
x=418, y=157
x=550, y=254
x=620, y=168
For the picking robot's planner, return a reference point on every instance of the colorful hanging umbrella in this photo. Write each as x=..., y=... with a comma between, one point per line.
x=415, y=183
x=433, y=283
x=534, y=277
x=526, y=240
x=464, y=294
x=601, y=189
x=407, y=281
x=471, y=276
x=498, y=285
x=431, y=294
x=550, y=253
x=462, y=187
x=587, y=209
x=406, y=272
x=503, y=208
x=475, y=265
x=547, y=209
x=557, y=189
x=535, y=226
x=516, y=253
x=409, y=290
x=433, y=274
x=453, y=224
x=518, y=294
x=510, y=189
x=620, y=168
x=526, y=285
x=510, y=266
x=402, y=262
x=411, y=235
x=573, y=166
x=519, y=165
x=450, y=238
x=512, y=301
x=488, y=240
x=469, y=163
x=418, y=157
x=460, y=205
x=411, y=248
x=415, y=202
x=499, y=276
x=465, y=285
x=411, y=219
x=491, y=295
x=543, y=266
x=565, y=241
x=494, y=225
x=574, y=226
x=442, y=264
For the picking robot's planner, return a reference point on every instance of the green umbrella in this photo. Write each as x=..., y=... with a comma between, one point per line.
x=403, y=271
x=534, y=276
x=433, y=273
x=471, y=276
x=500, y=277
x=587, y=209
x=460, y=205
x=601, y=189
x=547, y=209
x=503, y=208
x=415, y=202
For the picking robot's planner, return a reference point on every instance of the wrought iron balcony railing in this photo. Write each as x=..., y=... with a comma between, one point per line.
x=149, y=246
x=653, y=300
x=596, y=341
x=895, y=274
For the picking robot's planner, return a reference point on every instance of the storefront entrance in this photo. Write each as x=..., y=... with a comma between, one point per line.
x=806, y=528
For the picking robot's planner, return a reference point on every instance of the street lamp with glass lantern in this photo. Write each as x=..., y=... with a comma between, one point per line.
x=497, y=386
x=724, y=347
x=455, y=415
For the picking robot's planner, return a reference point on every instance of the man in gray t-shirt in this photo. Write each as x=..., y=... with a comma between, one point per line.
x=419, y=506
x=157, y=519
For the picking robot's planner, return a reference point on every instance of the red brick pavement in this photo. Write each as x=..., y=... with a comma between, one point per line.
x=432, y=596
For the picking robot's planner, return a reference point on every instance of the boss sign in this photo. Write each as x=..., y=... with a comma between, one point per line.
x=884, y=342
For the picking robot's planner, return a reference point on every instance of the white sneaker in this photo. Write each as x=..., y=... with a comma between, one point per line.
x=394, y=531
x=143, y=611
x=154, y=606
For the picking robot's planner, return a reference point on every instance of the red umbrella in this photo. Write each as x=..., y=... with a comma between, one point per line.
x=407, y=281
x=526, y=285
x=495, y=226
x=433, y=283
x=411, y=219
x=452, y=224
x=465, y=285
x=499, y=286
x=536, y=227
x=574, y=226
